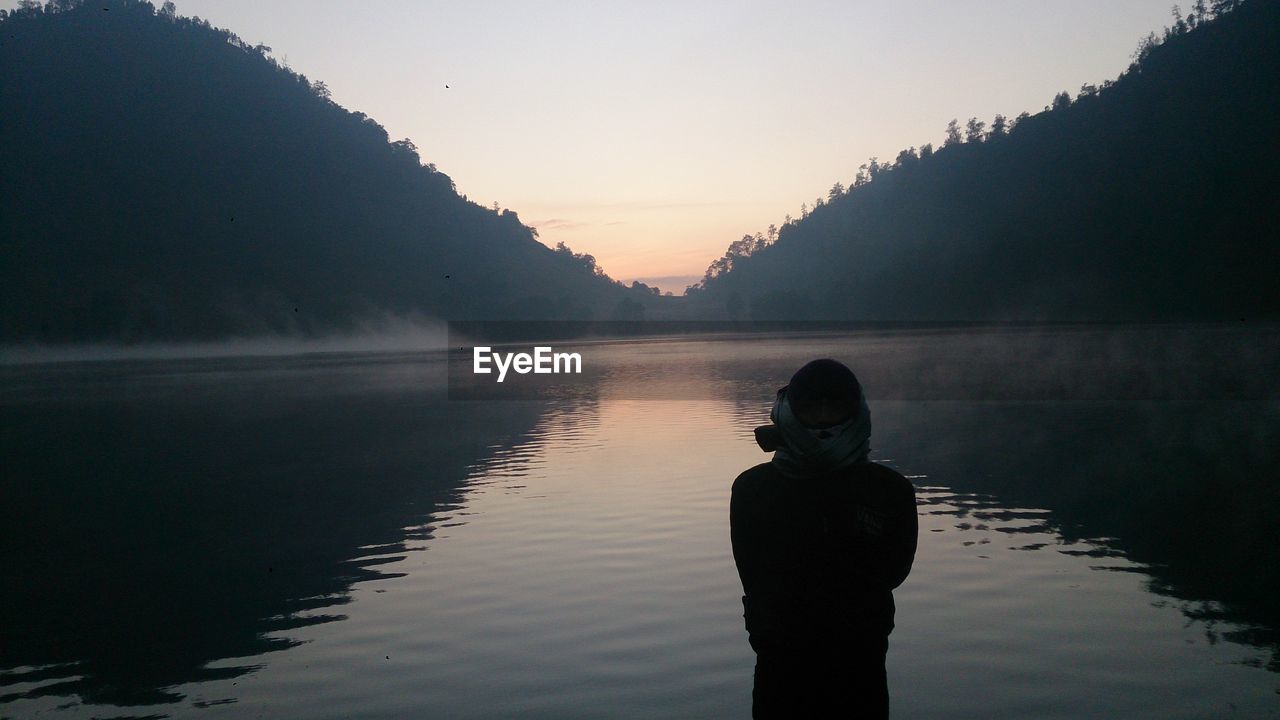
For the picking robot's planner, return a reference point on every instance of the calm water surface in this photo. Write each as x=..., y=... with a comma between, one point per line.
x=327, y=536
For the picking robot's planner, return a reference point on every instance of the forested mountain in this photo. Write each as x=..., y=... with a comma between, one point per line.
x=1152, y=197
x=160, y=178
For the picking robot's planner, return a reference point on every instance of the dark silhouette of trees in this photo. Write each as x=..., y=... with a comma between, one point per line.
x=645, y=288
x=162, y=178
x=1146, y=197
x=734, y=305
x=321, y=90
x=953, y=134
x=738, y=249
x=975, y=130
x=999, y=127
x=628, y=310
x=583, y=260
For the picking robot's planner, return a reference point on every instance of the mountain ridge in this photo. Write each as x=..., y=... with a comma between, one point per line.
x=1144, y=199
x=161, y=179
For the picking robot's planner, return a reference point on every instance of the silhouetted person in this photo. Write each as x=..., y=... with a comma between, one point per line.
x=821, y=537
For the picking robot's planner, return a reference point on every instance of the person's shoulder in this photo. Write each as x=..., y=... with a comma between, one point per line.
x=887, y=477
x=877, y=470
x=763, y=472
x=755, y=477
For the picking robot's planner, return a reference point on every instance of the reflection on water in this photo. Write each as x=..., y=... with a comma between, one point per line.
x=158, y=517
x=1188, y=491
x=1100, y=542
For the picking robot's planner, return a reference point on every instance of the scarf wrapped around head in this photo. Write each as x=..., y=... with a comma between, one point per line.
x=802, y=451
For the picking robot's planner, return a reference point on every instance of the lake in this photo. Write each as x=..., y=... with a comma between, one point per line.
x=329, y=535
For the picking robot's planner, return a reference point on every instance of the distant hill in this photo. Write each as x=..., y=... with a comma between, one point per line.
x=1153, y=197
x=162, y=179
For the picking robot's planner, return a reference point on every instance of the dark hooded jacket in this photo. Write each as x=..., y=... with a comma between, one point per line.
x=819, y=556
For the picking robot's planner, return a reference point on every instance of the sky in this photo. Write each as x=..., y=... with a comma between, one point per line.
x=652, y=134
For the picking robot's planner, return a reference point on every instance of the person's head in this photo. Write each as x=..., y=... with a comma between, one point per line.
x=824, y=393
x=819, y=422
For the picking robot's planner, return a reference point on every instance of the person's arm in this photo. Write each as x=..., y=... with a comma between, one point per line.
x=902, y=536
x=745, y=552
x=747, y=530
x=886, y=561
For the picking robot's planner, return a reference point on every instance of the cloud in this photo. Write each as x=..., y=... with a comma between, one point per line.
x=673, y=283
x=557, y=224
x=649, y=205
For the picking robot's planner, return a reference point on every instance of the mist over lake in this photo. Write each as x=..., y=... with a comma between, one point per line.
x=326, y=535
